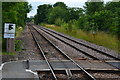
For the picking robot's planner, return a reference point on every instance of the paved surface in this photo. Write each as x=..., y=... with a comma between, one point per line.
x=96, y=65
x=88, y=65
x=17, y=70
x=115, y=63
x=20, y=69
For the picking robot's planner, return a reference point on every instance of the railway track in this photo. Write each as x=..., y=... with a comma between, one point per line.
x=58, y=65
x=95, y=53
x=63, y=55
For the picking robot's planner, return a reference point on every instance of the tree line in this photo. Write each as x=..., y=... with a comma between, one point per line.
x=15, y=12
x=95, y=16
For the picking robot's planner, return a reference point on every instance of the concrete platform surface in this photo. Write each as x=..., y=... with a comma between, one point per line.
x=28, y=69
x=66, y=64
x=115, y=63
x=17, y=70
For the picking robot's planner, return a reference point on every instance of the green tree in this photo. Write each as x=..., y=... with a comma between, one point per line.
x=16, y=13
x=57, y=12
x=60, y=4
x=22, y=9
x=103, y=20
x=92, y=7
x=36, y=19
x=75, y=13
x=114, y=8
x=9, y=13
x=42, y=13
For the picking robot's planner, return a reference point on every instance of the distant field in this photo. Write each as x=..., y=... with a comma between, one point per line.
x=100, y=38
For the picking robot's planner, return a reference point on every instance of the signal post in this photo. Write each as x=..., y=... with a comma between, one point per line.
x=9, y=34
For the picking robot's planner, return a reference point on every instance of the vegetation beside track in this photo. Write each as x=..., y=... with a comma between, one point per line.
x=18, y=43
x=19, y=31
x=16, y=13
x=6, y=53
x=100, y=38
x=96, y=22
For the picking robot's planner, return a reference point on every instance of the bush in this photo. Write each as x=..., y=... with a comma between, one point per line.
x=42, y=24
x=65, y=25
x=18, y=45
x=100, y=38
x=59, y=21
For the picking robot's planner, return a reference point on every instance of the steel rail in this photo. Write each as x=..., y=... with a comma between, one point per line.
x=85, y=72
x=61, y=62
x=48, y=63
x=104, y=53
x=73, y=46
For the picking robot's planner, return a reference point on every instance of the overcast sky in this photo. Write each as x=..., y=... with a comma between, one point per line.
x=69, y=3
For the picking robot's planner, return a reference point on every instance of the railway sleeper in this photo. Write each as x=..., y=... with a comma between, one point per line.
x=62, y=75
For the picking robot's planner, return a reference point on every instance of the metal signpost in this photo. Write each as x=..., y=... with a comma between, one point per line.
x=9, y=33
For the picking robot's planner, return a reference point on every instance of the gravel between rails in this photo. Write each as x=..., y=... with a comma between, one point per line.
x=83, y=48
x=106, y=75
x=74, y=54
x=50, y=51
x=101, y=48
x=31, y=51
x=79, y=76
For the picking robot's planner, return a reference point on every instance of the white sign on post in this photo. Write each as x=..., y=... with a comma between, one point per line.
x=9, y=35
x=9, y=30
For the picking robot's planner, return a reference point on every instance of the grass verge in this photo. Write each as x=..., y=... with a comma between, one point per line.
x=19, y=31
x=6, y=53
x=18, y=45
